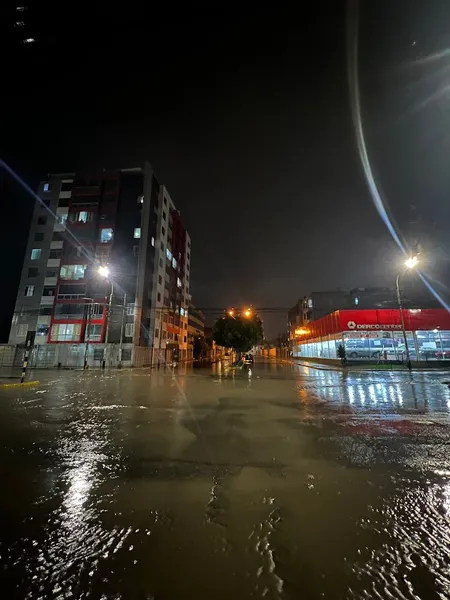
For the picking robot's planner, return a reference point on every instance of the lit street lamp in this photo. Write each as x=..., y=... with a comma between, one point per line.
x=410, y=263
x=104, y=272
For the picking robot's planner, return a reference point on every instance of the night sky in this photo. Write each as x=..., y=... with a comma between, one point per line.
x=245, y=116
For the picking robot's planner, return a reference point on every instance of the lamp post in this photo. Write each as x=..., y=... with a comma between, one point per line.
x=104, y=272
x=410, y=263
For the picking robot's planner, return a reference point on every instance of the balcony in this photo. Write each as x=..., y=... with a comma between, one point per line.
x=47, y=300
x=50, y=281
x=53, y=262
x=56, y=245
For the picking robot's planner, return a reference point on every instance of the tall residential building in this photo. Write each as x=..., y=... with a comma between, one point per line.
x=125, y=220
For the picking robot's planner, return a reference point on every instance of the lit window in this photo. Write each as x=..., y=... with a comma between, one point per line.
x=153, y=241
x=129, y=330
x=28, y=40
x=36, y=254
x=21, y=8
x=46, y=187
x=19, y=23
x=356, y=300
x=178, y=282
x=42, y=330
x=66, y=333
x=62, y=219
x=22, y=330
x=182, y=312
x=137, y=232
x=169, y=254
x=174, y=263
x=83, y=216
x=72, y=272
x=140, y=199
x=131, y=309
x=29, y=290
x=106, y=235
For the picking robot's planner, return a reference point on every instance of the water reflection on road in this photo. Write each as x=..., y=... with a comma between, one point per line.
x=293, y=482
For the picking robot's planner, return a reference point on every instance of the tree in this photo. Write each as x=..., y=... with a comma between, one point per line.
x=240, y=333
x=202, y=347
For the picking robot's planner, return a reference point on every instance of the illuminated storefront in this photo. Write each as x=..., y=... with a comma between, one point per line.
x=377, y=334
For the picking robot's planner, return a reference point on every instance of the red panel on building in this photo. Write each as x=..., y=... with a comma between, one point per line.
x=373, y=319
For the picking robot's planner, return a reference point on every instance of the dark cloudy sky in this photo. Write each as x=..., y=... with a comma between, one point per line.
x=245, y=116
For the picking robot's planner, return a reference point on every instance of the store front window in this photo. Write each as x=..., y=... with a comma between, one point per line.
x=433, y=345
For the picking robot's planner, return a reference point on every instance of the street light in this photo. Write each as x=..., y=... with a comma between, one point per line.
x=248, y=312
x=410, y=263
x=104, y=272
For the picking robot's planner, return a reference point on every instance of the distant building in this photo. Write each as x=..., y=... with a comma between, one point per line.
x=196, y=323
x=123, y=219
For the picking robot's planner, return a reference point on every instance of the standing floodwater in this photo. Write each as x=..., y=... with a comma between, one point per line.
x=291, y=483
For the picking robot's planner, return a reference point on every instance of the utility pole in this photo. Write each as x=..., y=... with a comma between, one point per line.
x=87, y=333
x=402, y=320
x=122, y=327
x=108, y=318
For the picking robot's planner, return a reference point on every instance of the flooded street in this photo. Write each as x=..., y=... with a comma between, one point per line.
x=294, y=483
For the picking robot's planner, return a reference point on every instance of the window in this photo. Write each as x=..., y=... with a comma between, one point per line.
x=182, y=312
x=184, y=339
x=33, y=272
x=62, y=219
x=136, y=250
x=46, y=187
x=131, y=310
x=164, y=216
x=83, y=216
x=158, y=297
x=94, y=332
x=48, y=291
x=38, y=237
x=189, y=243
x=140, y=199
x=36, y=254
x=55, y=254
x=22, y=330
x=72, y=272
x=57, y=236
x=29, y=290
x=153, y=241
x=160, y=262
x=163, y=231
x=63, y=202
x=162, y=246
x=178, y=282
x=67, y=332
x=174, y=263
x=159, y=279
x=169, y=254
x=42, y=330
x=188, y=256
x=66, y=186
x=165, y=200
x=42, y=220
x=129, y=329
x=106, y=235
x=356, y=300
x=156, y=333
x=137, y=233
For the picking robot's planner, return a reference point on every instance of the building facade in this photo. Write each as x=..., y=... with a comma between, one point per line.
x=196, y=324
x=120, y=219
x=377, y=334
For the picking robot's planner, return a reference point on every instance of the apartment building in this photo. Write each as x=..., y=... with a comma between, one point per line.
x=120, y=219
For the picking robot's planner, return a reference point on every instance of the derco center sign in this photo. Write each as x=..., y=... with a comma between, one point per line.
x=353, y=325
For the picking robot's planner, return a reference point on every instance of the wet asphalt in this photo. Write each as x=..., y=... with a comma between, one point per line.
x=291, y=483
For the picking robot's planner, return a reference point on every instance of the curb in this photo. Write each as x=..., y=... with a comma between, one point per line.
x=25, y=383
